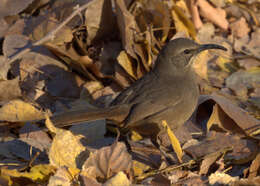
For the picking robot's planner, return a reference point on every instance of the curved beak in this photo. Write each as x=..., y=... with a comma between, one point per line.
x=210, y=46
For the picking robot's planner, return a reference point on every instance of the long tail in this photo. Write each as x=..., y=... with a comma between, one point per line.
x=115, y=113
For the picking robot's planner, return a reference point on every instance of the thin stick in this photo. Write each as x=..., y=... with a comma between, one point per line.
x=50, y=35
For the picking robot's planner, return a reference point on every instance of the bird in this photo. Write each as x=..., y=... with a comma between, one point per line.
x=169, y=91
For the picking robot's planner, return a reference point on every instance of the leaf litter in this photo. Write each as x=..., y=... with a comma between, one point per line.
x=66, y=55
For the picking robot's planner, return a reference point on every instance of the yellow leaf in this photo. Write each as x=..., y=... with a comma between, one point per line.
x=125, y=61
x=120, y=179
x=214, y=119
x=66, y=148
x=135, y=136
x=139, y=168
x=174, y=141
x=225, y=64
x=37, y=173
x=200, y=64
x=182, y=23
x=19, y=111
x=254, y=70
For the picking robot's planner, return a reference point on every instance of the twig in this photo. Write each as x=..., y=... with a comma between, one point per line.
x=167, y=169
x=49, y=36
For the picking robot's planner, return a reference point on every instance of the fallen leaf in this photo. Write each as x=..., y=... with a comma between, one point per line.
x=194, y=11
x=208, y=161
x=10, y=89
x=240, y=28
x=161, y=180
x=215, y=15
x=119, y=179
x=254, y=167
x=253, y=182
x=99, y=20
x=206, y=32
x=125, y=61
x=85, y=180
x=242, y=81
x=174, y=141
x=47, y=24
x=66, y=148
x=4, y=68
x=127, y=27
x=39, y=173
x=12, y=7
x=242, y=122
x=154, y=14
x=108, y=161
x=19, y=111
x=63, y=176
x=221, y=178
x=243, y=150
x=248, y=63
x=34, y=136
x=139, y=168
x=182, y=23
x=218, y=117
x=200, y=64
x=4, y=27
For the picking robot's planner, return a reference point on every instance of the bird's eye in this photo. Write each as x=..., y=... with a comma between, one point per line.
x=186, y=51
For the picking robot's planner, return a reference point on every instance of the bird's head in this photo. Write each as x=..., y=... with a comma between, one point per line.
x=179, y=53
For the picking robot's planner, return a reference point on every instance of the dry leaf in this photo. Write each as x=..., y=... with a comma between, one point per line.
x=215, y=15
x=218, y=117
x=194, y=11
x=208, y=161
x=12, y=7
x=125, y=61
x=182, y=23
x=85, y=180
x=10, y=89
x=174, y=141
x=127, y=27
x=252, y=182
x=254, y=167
x=34, y=136
x=64, y=176
x=120, y=179
x=200, y=64
x=4, y=27
x=19, y=111
x=151, y=15
x=4, y=68
x=221, y=179
x=37, y=173
x=242, y=122
x=139, y=168
x=99, y=20
x=107, y=161
x=46, y=25
x=66, y=149
x=242, y=81
x=240, y=28
x=242, y=150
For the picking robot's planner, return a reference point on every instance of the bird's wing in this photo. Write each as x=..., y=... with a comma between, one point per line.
x=151, y=105
x=148, y=98
x=130, y=93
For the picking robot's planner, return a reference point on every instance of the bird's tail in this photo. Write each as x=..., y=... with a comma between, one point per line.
x=116, y=114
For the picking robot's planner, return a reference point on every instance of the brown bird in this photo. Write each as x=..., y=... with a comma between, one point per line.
x=168, y=92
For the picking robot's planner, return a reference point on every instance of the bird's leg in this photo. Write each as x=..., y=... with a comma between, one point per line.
x=157, y=141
